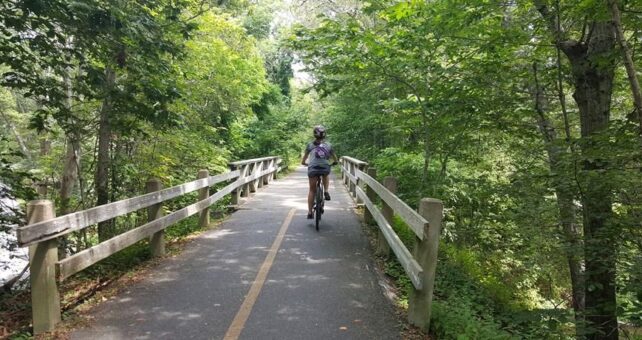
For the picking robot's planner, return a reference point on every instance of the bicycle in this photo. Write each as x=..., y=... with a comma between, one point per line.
x=319, y=202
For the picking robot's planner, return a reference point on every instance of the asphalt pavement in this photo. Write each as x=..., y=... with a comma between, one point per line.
x=264, y=273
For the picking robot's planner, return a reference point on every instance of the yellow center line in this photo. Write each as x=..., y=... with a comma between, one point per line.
x=246, y=308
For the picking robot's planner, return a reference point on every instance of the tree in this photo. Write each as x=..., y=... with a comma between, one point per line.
x=593, y=71
x=452, y=86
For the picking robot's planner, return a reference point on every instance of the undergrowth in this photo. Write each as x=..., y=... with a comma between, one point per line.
x=471, y=303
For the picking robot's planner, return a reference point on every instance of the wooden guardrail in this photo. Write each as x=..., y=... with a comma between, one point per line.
x=43, y=228
x=421, y=264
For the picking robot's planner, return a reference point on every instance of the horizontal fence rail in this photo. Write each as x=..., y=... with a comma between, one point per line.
x=410, y=265
x=43, y=229
x=416, y=222
x=420, y=264
x=62, y=225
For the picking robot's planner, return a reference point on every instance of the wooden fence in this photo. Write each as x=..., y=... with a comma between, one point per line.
x=421, y=264
x=43, y=228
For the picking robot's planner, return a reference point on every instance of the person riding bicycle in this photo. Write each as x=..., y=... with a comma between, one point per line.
x=319, y=152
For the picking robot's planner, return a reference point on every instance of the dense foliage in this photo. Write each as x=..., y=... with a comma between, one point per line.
x=523, y=117
x=97, y=97
x=518, y=116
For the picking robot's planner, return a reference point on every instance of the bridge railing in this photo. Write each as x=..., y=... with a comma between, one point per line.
x=43, y=228
x=420, y=264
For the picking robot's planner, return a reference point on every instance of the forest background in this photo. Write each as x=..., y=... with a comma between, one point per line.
x=525, y=118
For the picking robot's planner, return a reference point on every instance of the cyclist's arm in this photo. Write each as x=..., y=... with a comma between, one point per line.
x=334, y=156
x=305, y=157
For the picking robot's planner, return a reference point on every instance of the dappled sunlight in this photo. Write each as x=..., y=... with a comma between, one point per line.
x=355, y=285
x=291, y=313
x=310, y=260
x=219, y=234
x=204, y=286
x=309, y=278
x=257, y=248
x=357, y=304
x=167, y=277
x=299, y=205
x=190, y=316
x=294, y=251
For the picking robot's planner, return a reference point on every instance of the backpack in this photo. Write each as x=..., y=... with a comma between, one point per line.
x=321, y=151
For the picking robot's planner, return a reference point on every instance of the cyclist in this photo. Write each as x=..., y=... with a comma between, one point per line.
x=319, y=152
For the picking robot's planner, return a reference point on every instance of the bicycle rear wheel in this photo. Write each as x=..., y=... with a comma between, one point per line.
x=318, y=206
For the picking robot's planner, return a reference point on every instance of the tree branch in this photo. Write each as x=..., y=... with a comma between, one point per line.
x=554, y=26
x=550, y=18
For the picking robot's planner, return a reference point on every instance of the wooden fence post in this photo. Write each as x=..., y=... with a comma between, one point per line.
x=253, y=170
x=362, y=168
x=156, y=241
x=245, y=171
x=372, y=196
x=342, y=163
x=276, y=168
x=236, y=193
x=268, y=177
x=204, y=217
x=45, y=300
x=260, y=168
x=383, y=248
x=353, y=191
x=425, y=252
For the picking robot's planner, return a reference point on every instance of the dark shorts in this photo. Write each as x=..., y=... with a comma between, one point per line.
x=318, y=171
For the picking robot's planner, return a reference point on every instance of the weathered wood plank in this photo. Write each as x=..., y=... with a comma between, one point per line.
x=426, y=253
x=353, y=179
x=245, y=171
x=45, y=299
x=87, y=257
x=248, y=161
x=157, y=240
x=354, y=161
x=253, y=177
x=409, y=215
x=222, y=177
x=47, y=230
x=410, y=265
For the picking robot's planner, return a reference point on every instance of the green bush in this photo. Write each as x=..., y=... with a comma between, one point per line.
x=471, y=303
x=455, y=319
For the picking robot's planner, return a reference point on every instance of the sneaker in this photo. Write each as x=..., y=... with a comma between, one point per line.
x=309, y=216
x=326, y=195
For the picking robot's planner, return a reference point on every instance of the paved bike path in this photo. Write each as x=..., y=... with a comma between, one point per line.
x=320, y=285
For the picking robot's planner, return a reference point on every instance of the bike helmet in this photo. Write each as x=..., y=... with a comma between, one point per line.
x=319, y=131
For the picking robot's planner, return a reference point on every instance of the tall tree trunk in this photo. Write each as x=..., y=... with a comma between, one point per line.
x=593, y=71
x=21, y=110
x=16, y=134
x=71, y=165
x=70, y=172
x=628, y=62
x=593, y=80
x=102, y=164
x=426, y=139
x=45, y=149
x=72, y=157
x=565, y=196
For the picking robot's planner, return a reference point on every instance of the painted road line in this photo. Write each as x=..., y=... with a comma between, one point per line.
x=243, y=314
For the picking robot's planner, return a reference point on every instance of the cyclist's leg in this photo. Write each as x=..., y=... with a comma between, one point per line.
x=313, y=189
x=326, y=186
